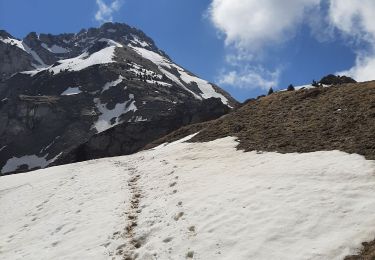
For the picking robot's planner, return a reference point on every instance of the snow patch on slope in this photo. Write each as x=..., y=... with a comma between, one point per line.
x=31, y=161
x=13, y=42
x=112, y=83
x=137, y=119
x=111, y=42
x=85, y=60
x=206, y=88
x=153, y=56
x=206, y=200
x=104, y=56
x=307, y=86
x=159, y=82
x=137, y=41
x=111, y=117
x=55, y=49
x=163, y=63
x=71, y=91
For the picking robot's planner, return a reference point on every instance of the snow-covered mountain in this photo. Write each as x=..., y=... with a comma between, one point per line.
x=112, y=83
x=191, y=201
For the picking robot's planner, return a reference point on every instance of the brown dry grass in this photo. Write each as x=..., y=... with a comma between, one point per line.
x=367, y=253
x=336, y=118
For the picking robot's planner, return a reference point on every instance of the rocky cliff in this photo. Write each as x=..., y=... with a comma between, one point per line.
x=100, y=92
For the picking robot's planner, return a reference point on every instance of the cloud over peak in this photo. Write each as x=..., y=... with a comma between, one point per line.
x=105, y=11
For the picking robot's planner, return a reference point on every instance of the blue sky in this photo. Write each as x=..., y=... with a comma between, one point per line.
x=220, y=40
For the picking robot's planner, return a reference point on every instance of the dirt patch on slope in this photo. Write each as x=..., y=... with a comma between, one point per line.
x=367, y=253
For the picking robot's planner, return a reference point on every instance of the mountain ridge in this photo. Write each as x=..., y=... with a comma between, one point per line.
x=88, y=83
x=68, y=45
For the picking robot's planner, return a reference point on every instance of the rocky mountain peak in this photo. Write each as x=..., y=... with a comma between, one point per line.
x=62, y=95
x=43, y=50
x=121, y=33
x=4, y=34
x=32, y=36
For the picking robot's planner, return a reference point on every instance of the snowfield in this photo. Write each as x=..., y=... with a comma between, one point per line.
x=85, y=60
x=191, y=200
x=81, y=62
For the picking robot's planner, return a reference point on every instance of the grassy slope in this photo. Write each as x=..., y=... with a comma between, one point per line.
x=335, y=118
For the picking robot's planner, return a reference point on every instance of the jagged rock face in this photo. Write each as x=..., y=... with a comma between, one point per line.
x=13, y=58
x=101, y=92
x=36, y=51
x=129, y=138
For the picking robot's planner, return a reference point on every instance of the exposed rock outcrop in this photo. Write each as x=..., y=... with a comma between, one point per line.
x=102, y=92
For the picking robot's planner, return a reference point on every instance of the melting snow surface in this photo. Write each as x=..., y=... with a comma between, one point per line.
x=112, y=83
x=85, y=60
x=69, y=212
x=205, y=200
x=158, y=82
x=153, y=56
x=206, y=88
x=32, y=161
x=111, y=117
x=137, y=119
x=80, y=62
x=136, y=41
x=306, y=87
x=111, y=42
x=14, y=42
x=71, y=91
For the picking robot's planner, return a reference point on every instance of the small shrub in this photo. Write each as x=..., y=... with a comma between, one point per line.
x=315, y=84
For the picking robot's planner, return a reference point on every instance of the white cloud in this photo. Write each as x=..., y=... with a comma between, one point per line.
x=105, y=11
x=250, y=26
x=355, y=20
x=250, y=78
x=364, y=68
x=253, y=26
